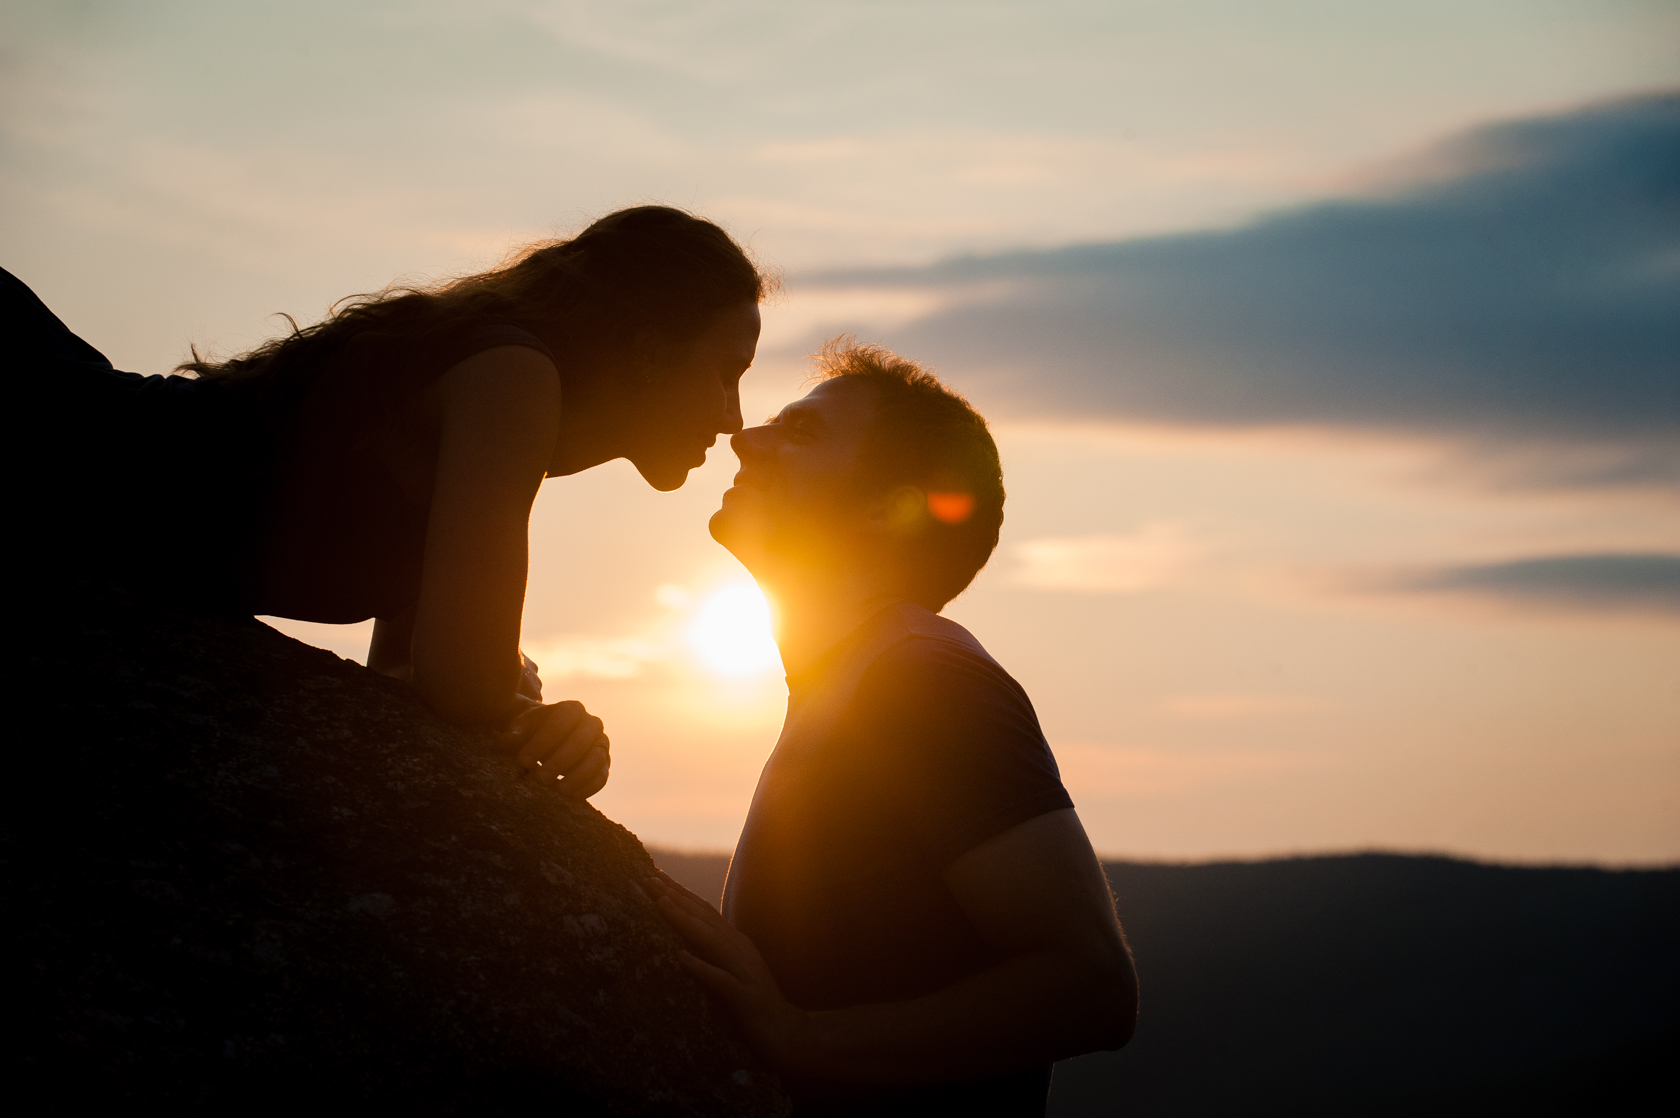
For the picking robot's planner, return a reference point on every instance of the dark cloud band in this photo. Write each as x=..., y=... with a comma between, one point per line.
x=1536, y=296
x=1648, y=582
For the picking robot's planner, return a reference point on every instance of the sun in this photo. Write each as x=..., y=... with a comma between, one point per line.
x=731, y=632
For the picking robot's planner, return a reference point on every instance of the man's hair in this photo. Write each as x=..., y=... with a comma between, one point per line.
x=928, y=436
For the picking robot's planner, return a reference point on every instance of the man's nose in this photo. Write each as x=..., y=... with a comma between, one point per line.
x=749, y=442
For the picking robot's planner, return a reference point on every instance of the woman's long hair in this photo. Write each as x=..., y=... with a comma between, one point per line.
x=645, y=270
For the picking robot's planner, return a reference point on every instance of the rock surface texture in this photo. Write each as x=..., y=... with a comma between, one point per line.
x=244, y=872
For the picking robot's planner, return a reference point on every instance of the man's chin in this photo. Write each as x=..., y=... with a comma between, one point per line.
x=722, y=527
x=739, y=539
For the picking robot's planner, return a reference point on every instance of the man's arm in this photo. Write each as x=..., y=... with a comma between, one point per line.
x=1035, y=893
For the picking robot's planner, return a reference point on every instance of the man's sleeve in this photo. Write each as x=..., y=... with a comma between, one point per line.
x=967, y=752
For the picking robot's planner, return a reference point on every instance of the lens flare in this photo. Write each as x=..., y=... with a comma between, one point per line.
x=731, y=632
x=949, y=507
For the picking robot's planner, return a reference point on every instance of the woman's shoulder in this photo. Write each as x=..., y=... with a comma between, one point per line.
x=429, y=352
x=374, y=364
x=453, y=346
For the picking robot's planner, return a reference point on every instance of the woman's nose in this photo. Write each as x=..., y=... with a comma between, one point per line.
x=732, y=421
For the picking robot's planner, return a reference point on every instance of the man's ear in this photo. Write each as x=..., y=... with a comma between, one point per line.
x=899, y=512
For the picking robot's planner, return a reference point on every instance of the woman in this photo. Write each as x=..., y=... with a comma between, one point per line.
x=382, y=463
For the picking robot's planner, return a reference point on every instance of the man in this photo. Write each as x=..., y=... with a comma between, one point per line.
x=914, y=921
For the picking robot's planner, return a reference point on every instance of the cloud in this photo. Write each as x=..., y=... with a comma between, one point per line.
x=1647, y=582
x=566, y=657
x=1529, y=297
x=1108, y=563
x=1110, y=771
x=1240, y=706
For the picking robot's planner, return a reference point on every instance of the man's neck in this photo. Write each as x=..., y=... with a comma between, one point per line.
x=812, y=616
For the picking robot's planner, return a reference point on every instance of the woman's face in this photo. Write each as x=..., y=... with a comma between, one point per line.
x=695, y=397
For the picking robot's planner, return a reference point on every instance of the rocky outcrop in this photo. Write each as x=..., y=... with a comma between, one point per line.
x=243, y=872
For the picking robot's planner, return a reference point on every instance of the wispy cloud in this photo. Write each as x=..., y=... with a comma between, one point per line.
x=1240, y=706
x=1105, y=771
x=1107, y=563
x=1531, y=298
x=568, y=657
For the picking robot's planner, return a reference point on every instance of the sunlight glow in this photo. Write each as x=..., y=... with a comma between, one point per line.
x=731, y=632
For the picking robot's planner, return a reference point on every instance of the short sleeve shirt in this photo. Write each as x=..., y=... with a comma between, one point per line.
x=905, y=747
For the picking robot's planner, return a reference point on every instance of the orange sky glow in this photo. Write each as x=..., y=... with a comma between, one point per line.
x=1247, y=630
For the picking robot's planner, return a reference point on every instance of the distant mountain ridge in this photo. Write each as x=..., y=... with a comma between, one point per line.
x=1371, y=984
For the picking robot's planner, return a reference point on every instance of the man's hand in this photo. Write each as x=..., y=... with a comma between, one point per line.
x=1065, y=986
x=563, y=742
x=726, y=963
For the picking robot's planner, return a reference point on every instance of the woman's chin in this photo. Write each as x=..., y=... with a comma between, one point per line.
x=663, y=476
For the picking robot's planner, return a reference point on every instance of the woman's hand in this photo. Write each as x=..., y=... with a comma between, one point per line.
x=562, y=742
x=729, y=965
x=530, y=683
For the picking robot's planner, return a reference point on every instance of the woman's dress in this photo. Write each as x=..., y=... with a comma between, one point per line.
x=217, y=494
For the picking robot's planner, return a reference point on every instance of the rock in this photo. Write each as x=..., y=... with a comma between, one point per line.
x=244, y=872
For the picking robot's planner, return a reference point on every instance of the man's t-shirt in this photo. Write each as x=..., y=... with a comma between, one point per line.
x=904, y=747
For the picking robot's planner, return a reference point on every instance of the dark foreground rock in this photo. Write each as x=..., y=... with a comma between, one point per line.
x=243, y=872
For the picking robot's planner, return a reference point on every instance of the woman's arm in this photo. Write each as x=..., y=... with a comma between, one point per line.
x=391, y=651
x=498, y=416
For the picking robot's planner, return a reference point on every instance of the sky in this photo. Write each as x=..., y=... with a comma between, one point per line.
x=1331, y=349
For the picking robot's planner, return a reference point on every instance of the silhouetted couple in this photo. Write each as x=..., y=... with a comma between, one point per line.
x=914, y=920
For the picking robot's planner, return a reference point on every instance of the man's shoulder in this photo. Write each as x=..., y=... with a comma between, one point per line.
x=938, y=664
x=931, y=643
x=959, y=735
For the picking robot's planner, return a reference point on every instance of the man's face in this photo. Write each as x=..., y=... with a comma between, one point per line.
x=795, y=498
